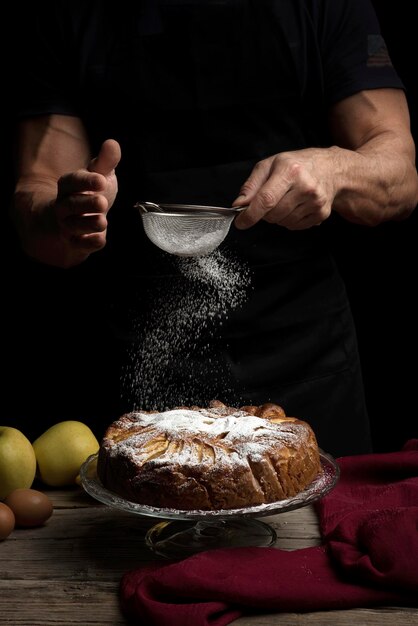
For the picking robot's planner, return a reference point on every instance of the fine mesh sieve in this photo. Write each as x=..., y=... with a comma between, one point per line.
x=186, y=229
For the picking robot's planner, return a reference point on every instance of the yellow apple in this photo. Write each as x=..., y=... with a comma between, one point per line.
x=61, y=450
x=17, y=461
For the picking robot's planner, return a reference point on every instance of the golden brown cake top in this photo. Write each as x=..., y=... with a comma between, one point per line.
x=194, y=435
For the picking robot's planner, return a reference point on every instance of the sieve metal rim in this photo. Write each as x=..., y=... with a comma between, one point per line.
x=184, y=210
x=200, y=215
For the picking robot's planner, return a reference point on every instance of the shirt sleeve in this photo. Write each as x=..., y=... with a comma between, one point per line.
x=354, y=54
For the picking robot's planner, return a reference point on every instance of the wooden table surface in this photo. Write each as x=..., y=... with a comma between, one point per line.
x=68, y=571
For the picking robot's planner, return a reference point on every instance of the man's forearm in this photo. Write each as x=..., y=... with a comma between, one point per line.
x=375, y=183
x=375, y=176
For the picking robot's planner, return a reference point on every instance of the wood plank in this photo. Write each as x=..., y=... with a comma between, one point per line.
x=25, y=603
x=88, y=543
x=70, y=497
x=360, y=617
x=295, y=529
x=41, y=603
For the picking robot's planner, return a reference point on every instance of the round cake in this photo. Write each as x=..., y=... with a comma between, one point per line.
x=193, y=458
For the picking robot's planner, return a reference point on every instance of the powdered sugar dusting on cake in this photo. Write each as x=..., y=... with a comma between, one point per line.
x=235, y=439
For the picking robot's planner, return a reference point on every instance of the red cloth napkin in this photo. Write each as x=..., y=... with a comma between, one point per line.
x=369, y=523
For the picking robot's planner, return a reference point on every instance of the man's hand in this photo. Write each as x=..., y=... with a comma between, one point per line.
x=62, y=197
x=293, y=189
x=83, y=200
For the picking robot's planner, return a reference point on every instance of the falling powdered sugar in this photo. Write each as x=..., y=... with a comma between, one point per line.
x=177, y=357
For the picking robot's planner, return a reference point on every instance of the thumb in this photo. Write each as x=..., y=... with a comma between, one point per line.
x=107, y=159
x=254, y=182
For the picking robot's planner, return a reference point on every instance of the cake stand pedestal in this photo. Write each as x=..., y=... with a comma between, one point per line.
x=180, y=539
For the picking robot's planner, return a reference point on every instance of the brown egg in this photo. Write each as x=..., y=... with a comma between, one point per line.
x=7, y=521
x=30, y=507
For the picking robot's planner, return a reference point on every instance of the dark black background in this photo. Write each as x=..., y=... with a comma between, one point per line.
x=379, y=267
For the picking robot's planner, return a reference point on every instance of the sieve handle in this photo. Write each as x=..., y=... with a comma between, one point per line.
x=146, y=207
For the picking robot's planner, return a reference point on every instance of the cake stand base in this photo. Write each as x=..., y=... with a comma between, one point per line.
x=179, y=539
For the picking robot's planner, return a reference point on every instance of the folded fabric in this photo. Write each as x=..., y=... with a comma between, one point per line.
x=369, y=523
x=370, y=520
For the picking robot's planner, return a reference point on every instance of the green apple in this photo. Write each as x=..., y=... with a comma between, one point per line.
x=17, y=461
x=61, y=450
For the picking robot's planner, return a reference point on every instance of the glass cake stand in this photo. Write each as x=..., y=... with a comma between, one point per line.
x=182, y=533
